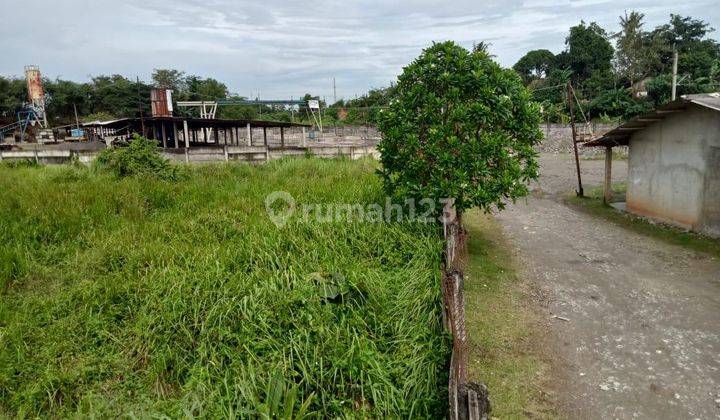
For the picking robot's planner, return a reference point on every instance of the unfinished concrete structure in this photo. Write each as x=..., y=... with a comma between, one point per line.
x=674, y=162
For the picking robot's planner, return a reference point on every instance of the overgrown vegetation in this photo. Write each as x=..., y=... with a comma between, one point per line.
x=461, y=127
x=141, y=157
x=593, y=204
x=609, y=79
x=504, y=351
x=142, y=297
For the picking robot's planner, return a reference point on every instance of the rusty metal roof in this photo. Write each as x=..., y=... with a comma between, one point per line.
x=620, y=136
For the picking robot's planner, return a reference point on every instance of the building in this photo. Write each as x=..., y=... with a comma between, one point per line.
x=674, y=162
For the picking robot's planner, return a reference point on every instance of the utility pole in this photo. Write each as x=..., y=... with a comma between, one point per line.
x=77, y=121
x=334, y=92
x=142, y=118
x=571, y=105
x=674, y=73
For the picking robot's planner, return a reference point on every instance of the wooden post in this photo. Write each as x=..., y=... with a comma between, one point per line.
x=186, y=134
x=607, y=191
x=249, y=135
x=265, y=136
x=571, y=104
x=164, y=136
x=282, y=137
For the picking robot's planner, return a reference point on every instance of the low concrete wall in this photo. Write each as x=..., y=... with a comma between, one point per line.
x=249, y=154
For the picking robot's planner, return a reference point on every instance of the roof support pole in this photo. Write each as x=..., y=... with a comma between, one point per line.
x=282, y=137
x=232, y=136
x=607, y=187
x=164, y=136
x=175, y=134
x=186, y=134
x=249, y=135
x=265, y=136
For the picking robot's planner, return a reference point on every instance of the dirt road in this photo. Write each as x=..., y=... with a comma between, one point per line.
x=632, y=323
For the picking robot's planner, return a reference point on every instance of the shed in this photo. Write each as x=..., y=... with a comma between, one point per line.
x=674, y=162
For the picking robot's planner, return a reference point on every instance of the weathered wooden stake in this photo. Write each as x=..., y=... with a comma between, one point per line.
x=607, y=190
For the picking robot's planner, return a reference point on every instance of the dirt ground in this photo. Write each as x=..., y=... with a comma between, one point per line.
x=632, y=323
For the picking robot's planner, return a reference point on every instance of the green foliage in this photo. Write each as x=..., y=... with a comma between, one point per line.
x=461, y=127
x=617, y=102
x=536, y=64
x=589, y=51
x=140, y=158
x=136, y=297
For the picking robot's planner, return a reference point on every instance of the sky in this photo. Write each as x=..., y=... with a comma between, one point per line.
x=278, y=49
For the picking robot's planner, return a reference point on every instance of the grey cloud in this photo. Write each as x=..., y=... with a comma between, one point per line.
x=285, y=48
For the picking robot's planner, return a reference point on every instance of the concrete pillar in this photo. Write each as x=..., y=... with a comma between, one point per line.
x=304, y=137
x=186, y=134
x=164, y=136
x=607, y=190
x=249, y=135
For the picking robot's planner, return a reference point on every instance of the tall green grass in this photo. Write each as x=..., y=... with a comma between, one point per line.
x=147, y=297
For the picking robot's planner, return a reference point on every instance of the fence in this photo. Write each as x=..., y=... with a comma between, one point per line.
x=467, y=399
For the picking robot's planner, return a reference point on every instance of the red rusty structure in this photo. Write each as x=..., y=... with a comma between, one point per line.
x=36, y=93
x=161, y=102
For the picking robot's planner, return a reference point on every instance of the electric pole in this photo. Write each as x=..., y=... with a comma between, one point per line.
x=142, y=118
x=334, y=92
x=571, y=105
x=674, y=72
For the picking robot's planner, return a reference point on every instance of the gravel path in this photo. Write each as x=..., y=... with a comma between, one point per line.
x=632, y=323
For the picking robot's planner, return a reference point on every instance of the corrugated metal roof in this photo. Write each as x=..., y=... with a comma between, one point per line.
x=620, y=136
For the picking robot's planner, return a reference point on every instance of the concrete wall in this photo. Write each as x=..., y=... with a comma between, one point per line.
x=669, y=176
x=249, y=154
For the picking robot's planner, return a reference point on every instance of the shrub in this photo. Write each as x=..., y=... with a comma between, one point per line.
x=140, y=157
x=461, y=127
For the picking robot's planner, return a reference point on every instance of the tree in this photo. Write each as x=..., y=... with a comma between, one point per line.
x=169, y=79
x=633, y=57
x=461, y=127
x=536, y=64
x=588, y=51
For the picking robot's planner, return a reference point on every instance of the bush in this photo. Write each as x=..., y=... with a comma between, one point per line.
x=461, y=127
x=141, y=157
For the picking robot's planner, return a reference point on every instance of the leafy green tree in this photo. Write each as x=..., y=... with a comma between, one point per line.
x=169, y=79
x=588, y=51
x=199, y=89
x=633, y=56
x=119, y=96
x=536, y=64
x=13, y=92
x=461, y=127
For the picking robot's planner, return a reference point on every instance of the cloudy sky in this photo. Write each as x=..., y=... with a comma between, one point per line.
x=279, y=49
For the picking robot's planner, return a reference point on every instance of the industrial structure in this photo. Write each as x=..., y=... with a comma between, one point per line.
x=674, y=162
x=33, y=113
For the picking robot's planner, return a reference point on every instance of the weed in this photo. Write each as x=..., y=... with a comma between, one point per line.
x=143, y=297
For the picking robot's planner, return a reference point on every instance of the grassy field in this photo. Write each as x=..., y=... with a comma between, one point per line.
x=593, y=204
x=181, y=298
x=504, y=351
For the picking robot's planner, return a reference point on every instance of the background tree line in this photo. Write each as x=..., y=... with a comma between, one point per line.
x=609, y=71
x=611, y=81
